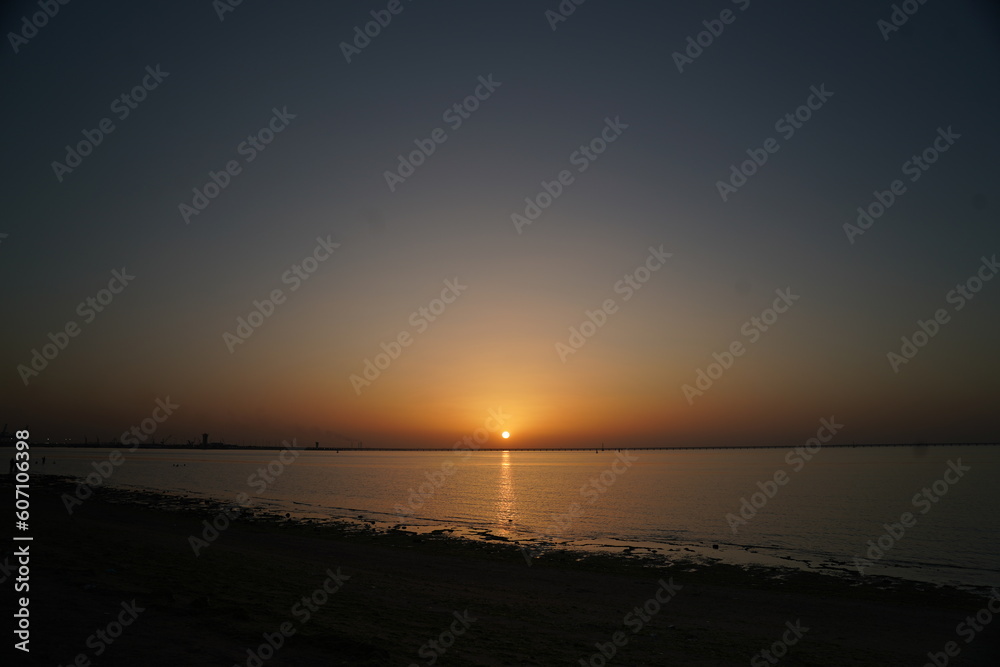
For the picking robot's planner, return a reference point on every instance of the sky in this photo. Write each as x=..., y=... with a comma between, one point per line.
x=633, y=223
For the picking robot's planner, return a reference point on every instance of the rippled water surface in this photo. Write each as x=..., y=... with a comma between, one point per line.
x=824, y=515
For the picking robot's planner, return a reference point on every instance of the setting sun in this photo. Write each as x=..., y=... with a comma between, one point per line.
x=505, y=435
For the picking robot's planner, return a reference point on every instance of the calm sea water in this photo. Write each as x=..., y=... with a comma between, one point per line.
x=675, y=502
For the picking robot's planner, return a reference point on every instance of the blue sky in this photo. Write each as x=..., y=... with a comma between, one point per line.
x=324, y=176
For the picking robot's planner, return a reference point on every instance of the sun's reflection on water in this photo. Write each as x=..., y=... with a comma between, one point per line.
x=506, y=515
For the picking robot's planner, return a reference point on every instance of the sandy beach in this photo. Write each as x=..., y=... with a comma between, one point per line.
x=518, y=333
x=118, y=583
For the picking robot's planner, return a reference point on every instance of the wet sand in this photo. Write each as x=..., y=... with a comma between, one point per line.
x=396, y=592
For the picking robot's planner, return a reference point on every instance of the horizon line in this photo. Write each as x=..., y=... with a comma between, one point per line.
x=225, y=446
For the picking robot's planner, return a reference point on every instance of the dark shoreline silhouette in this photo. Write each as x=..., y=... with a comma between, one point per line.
x=219, y=445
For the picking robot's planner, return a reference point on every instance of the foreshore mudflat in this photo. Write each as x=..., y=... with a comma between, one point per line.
x=118, y=582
